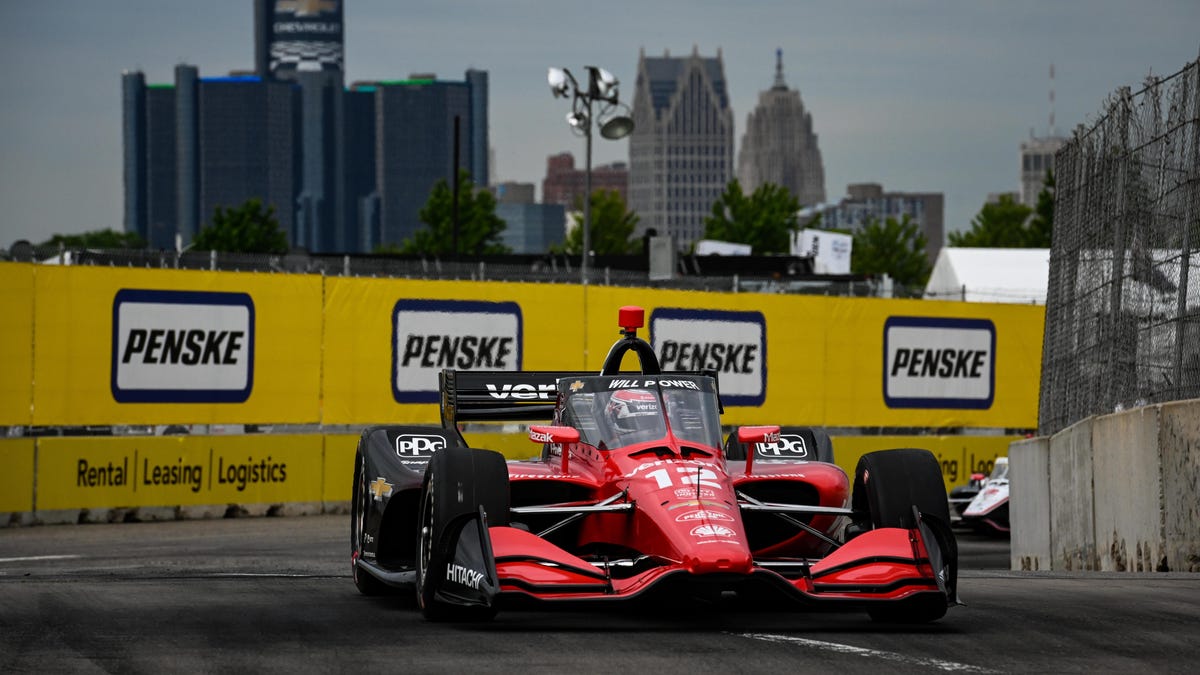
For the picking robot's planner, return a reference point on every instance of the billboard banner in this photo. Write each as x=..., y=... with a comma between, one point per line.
x=734, y=344
x=387, y=340
x=431, y=335
x=939, y=362
x=306, y=36
x=131, y=471
x=140, y=346
x=182, y=346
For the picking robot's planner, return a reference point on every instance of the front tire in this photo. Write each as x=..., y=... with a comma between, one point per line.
x=457, y=482
x=360, y=506
x=887, y=485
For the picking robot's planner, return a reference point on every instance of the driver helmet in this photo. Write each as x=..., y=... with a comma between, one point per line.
x=631, y=410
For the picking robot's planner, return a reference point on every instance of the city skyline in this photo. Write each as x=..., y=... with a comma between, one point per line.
x=926, y=96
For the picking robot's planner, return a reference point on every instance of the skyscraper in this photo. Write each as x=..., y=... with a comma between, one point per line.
x=360, y=201
x=779, y=145
x=247, y=145
x=344, y=170
x=1037, y=157
x=302, y=41
x=415, y=121
x=681, y=149
x=203, y=143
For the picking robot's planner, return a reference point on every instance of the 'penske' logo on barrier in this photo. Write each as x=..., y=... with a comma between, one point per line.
x=734, y=344
x=429, y=335
x=182, y=347
x=939, y=363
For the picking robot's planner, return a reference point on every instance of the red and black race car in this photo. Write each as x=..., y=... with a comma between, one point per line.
x=635, y=495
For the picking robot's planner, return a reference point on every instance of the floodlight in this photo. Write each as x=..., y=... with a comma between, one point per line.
x=557, y=77
x=617, y=128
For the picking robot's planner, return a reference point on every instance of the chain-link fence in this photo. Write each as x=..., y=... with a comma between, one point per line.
x=1123, y=304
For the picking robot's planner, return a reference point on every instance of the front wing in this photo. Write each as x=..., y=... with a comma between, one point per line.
x=882, y=565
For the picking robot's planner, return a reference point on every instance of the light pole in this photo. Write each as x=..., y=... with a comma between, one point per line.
x=602, y=87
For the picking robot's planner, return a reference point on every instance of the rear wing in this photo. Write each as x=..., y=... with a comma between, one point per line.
x=500, y=395
x=506, y=395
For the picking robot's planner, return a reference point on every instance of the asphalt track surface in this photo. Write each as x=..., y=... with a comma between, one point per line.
x=267, y=595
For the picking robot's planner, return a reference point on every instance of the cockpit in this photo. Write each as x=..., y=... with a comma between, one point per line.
x=617, y=411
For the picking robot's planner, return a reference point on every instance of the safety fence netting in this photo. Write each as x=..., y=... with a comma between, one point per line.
x=1123, y=303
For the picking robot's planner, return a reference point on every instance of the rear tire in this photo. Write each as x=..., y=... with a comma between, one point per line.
x=360, y=506
x=457, y=482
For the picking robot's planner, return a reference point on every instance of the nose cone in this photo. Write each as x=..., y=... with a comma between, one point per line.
x=717, y=549
x=718, y=558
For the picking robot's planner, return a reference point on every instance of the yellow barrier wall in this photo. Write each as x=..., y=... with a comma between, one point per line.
x=370, y=324
x=16, y=343
x=16, y=475
x=824, y=357
x=76, y=366
x=959, y=456
x=339, y=467
x=361, y=351
x=132, y=471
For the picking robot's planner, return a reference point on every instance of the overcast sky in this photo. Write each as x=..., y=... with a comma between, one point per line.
x=919, y=95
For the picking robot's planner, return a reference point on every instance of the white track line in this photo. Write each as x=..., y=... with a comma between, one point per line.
x=33, y=558
x=951, y=666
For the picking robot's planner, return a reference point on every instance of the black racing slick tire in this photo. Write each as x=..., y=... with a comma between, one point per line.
x=887, y=485
x=359, y=508
x=457, y=482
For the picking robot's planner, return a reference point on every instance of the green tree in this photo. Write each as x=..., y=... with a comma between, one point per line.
x=249, y=228
x=895, y=248
x=1041, y=226
x=479, y=227
x=106, y=238
x=1000, y=224
x=612, y=227
x=765, y=219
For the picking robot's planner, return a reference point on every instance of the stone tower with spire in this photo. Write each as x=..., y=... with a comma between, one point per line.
x=779, y=145
x=681, y=148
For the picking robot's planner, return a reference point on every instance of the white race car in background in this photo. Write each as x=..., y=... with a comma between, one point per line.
x=988, y=510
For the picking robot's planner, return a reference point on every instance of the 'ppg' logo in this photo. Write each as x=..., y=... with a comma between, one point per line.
x=412, y=445
x=789, y=445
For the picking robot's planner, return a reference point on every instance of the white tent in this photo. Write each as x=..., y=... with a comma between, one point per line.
x=1015, y=275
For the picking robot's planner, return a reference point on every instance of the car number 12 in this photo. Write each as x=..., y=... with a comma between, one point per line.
x=688, y=476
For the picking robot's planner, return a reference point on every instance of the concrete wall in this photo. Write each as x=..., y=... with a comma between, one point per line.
x=1115, y=493
x=1029, y=503
x=1179, y=442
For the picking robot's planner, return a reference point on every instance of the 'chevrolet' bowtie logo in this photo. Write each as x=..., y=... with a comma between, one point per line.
x=381, y=488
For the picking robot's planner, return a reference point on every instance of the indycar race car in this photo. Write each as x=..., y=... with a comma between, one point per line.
x=634, y=496
x=988, y=510
x=960, y=497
